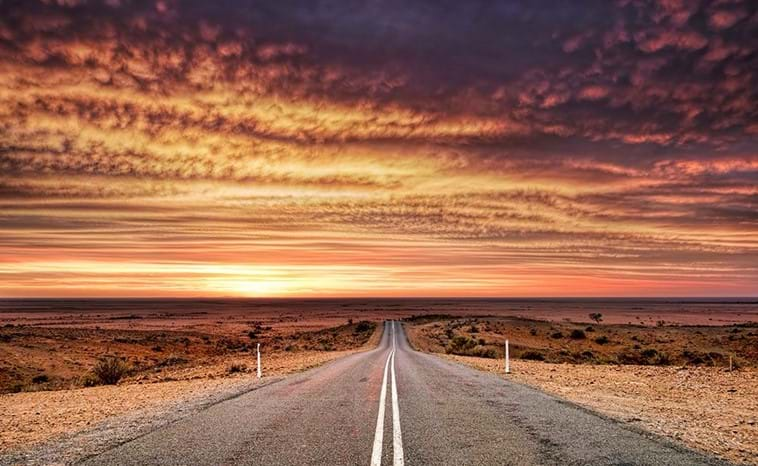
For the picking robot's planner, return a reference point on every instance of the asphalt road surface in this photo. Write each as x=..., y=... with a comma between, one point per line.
x=393, y=405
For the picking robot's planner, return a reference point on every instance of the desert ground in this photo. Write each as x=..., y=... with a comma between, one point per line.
x=673, y=380
x=639, y=361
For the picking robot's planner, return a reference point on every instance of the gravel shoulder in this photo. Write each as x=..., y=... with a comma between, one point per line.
x=705, y=408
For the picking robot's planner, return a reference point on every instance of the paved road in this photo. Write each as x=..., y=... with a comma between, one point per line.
x=434, y=412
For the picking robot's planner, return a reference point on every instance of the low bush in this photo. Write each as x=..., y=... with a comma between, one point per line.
x=465, y=346
x=109, y=370
x=41, y=379
x=556, y=335
x=236, y=368
x=601, y=340
x=577, y=334
x=364, y=326
x=533, y=356
x=647, y=356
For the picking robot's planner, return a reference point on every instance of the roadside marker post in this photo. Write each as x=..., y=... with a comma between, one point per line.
x=507, y=359
x=259, y=360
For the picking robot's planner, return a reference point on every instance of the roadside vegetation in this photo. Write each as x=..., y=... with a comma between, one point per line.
x=41, y=358
x=568, y=342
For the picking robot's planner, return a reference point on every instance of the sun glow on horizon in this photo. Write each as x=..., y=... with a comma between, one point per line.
x=203, y=149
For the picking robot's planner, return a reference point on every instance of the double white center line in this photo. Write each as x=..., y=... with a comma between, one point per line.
x=397, y=435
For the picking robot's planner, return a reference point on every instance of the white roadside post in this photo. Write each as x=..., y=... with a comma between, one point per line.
x=259, y=360
x=507, y=359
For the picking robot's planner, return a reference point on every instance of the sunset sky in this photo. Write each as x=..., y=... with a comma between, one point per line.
x=378, y=148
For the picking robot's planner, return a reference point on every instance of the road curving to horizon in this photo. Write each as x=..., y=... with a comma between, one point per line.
x=392, y=406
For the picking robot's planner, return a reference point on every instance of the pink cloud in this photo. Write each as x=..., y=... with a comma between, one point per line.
x=724, y=19
x=593, y=92
x=683, y=40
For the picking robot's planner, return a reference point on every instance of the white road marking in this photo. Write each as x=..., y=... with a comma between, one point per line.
x=397, y=436
x=376, y=454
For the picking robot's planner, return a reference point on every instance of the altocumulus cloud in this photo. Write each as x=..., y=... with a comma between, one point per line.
x=533, y=148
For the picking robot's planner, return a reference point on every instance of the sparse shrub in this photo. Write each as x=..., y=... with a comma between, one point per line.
x=42, y=378
x=235, y=368
x=109, y=370
x=660, y=323
x=649, y=353
x=533, y=331
x=663, y=359
x=252, y=334
x=364, y=326
x=157, y=348
x=465, y=346
x=589, y=329
x=349, y=321
x=628, y=356
x=596, y=316
x=578, y=334
x=481, y=352
x=601, y=340
x=533, y=356
x=461, y=343
x=172, y=360
x=556, y=335
x=89, y=380
x=474, y=329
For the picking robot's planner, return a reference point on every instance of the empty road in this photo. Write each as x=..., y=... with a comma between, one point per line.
x=395, y=406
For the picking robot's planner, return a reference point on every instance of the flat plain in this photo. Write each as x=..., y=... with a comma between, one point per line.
x=635, y=362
